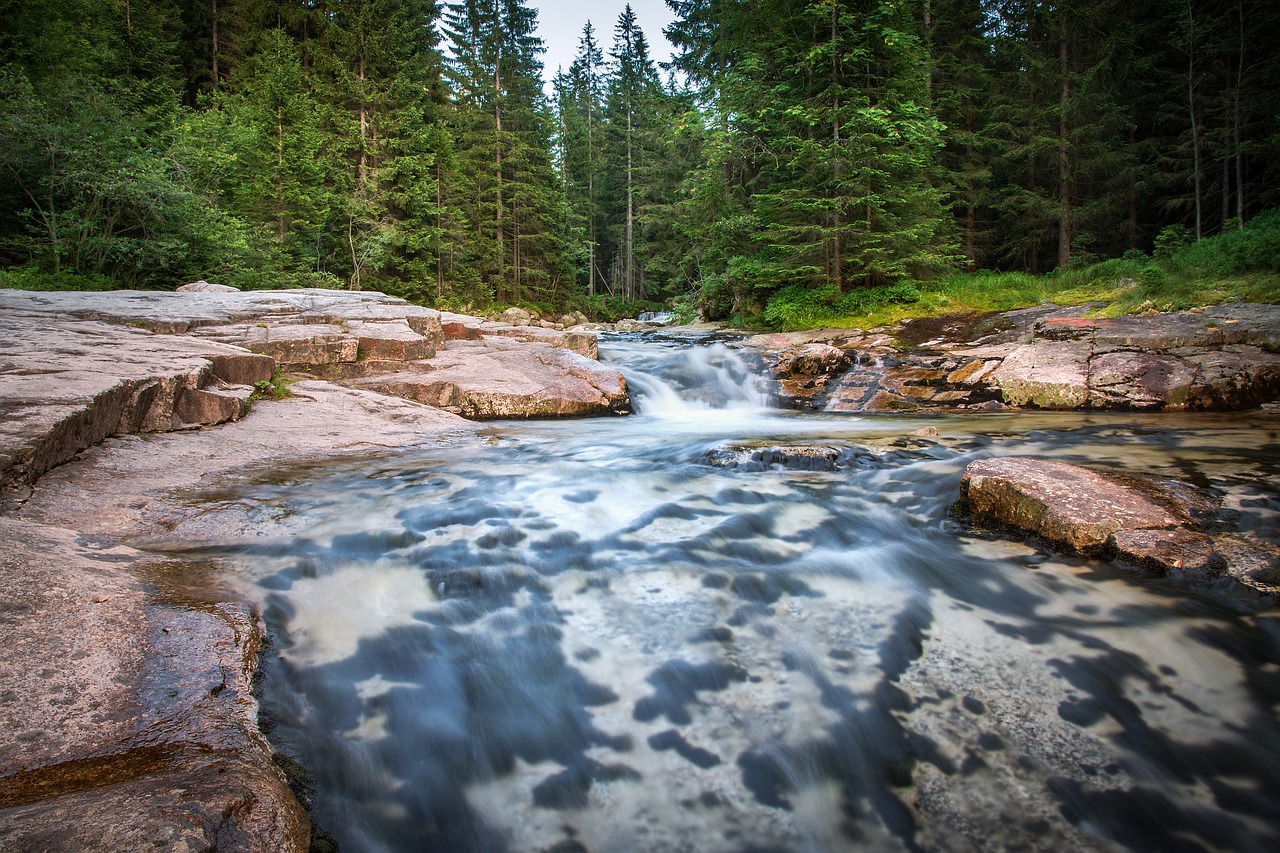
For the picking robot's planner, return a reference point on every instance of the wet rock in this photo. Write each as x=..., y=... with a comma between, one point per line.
x=790, y=457
x=491, y=380
x=1068, y=504
x=1182, y=551
x=1225, y=358
x=812, y=359
x=1164, y=526
x=804, y=371
x=137, y=723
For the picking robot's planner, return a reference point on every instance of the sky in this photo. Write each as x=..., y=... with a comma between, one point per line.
x=560, y=27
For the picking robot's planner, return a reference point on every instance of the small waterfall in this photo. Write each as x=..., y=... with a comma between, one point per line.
x=691, y=381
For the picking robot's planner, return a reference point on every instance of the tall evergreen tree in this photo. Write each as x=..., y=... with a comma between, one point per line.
x=503, y=134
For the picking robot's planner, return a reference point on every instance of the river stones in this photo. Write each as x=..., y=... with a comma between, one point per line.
x=1224, y=358
x=1162, y=525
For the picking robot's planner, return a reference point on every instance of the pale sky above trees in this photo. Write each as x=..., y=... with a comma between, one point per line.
x=560, y=27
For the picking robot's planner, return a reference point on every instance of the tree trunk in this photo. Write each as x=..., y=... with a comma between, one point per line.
x=1195, y=127
x=441, y=224
x=629, y=263
x=1064, y=159
x=1235, y=121
x=499, y=286
x=280, y=174
x=213, y=39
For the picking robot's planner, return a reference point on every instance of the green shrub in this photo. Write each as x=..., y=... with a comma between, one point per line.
x=1170, y=239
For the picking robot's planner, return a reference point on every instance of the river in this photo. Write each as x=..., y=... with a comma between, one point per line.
x=626, y=635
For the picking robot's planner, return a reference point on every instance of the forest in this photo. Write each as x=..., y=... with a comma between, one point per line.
x=797, y=158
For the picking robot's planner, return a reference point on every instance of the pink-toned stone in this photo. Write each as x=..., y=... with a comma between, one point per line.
x=486, y=381
x=1064, y=503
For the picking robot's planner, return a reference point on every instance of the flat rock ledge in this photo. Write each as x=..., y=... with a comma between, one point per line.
x=1162, y=525
x=1223, y=358
x=78, y=367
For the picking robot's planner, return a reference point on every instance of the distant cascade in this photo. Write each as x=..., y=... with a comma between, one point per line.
x=667, y=382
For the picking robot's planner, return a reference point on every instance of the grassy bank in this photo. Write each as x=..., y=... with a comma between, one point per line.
x=1238, y=265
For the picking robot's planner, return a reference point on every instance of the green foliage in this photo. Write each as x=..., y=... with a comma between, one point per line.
x=793, y=308
x=1253, y=249
x=1170, y=239
x=33, y=278
x=275, y=388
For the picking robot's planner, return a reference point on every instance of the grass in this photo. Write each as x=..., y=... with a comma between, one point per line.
x=1236, y=266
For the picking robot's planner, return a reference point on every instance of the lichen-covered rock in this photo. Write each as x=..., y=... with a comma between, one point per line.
x=1130, y=380
x=1046, y=375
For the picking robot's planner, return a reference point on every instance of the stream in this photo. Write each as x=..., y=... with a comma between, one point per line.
x=632, y=634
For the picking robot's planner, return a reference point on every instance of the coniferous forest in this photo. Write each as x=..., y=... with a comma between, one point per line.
x=795, y=150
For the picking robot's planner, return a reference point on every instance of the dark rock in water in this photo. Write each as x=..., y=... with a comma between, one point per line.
x=791, y=457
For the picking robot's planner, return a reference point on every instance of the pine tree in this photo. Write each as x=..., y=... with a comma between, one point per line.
x=503, y=136
x=632, y=102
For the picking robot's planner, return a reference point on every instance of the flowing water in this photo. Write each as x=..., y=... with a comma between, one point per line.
x=633, y=634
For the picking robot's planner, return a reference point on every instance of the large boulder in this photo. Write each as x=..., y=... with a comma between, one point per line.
x=1158, y=524
x=495, y=379
x=1065, y=503
x=65, y=385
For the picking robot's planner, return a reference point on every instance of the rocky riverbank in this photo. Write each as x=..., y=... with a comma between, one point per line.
x=1224, y=358
x=126, y=692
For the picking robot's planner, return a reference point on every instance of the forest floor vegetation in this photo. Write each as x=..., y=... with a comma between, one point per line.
x=1239, y=265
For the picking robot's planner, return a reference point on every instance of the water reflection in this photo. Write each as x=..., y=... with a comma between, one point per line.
x=582, y=637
